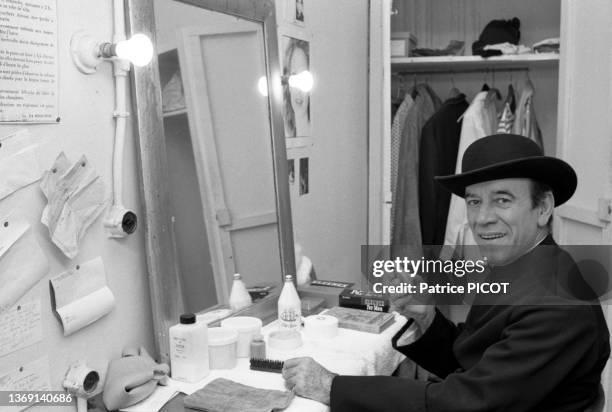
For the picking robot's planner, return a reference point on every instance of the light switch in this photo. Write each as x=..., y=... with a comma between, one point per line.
x=604, y=209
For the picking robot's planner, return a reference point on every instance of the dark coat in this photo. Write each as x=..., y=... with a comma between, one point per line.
x=438, y=157
x=533, y=352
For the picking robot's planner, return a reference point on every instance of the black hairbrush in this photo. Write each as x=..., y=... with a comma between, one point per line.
x=266, y=365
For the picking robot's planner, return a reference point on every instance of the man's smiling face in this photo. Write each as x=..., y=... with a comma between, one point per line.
x=503, y=218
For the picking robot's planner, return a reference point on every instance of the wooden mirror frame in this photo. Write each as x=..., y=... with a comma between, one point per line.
x=164, y=284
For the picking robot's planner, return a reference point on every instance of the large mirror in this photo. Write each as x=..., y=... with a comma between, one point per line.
x=212, y=151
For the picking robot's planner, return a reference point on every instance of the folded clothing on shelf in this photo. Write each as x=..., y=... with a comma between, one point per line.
x=454, y=48
x=508, y=48
x=496, y=32
x=551, y=45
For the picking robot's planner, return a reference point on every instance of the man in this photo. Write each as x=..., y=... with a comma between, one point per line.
x=537, y=349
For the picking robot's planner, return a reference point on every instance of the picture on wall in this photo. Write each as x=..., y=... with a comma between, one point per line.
x=304, y=176
x=299, y=11
x=291, y=171
x=296, y=103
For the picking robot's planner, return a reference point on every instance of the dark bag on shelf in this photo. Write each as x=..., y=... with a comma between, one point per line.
x=497, y=31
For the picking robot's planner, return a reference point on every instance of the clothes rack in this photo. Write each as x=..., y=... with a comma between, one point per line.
x=462, y=71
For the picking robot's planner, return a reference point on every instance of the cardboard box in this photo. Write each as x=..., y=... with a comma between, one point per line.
x=402, y=43
x=358, y=299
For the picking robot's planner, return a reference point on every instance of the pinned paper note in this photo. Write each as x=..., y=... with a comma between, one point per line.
x=19, y=165
x=80, y=297
x=32, y=376
x=22, y=261
x=76, y=195
x=20, y=326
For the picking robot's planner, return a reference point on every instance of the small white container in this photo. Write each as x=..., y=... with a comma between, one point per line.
x=239, y=296
x=222, y=348
x=247, y=327
x=321, y=326
x=289, y=306
x=284, y=339
x=188, y=351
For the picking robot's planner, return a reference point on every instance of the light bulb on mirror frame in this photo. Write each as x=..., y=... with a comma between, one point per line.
x=303, y=81
x=138, y=50
x=262, y=86
x=87, y=52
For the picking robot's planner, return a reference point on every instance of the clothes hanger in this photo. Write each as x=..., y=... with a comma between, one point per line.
x=454, y=91
x=400, y=91
x=485, y=87
x=511, y=96
x=414, y=93
x=528, y=82
x=494, y=91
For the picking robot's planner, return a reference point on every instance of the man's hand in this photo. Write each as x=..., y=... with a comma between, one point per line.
x=308, y=379
x=419, y=307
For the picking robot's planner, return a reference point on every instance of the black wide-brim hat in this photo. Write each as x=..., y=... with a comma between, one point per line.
x=503, y=156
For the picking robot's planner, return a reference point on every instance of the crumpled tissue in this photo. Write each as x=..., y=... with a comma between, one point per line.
x=76, y=195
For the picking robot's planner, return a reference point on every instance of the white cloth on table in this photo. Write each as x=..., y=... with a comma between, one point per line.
x=351, y=352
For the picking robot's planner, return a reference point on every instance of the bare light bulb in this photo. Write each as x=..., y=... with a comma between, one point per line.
x=302, y=81
x=262, y=85
x=138, y=50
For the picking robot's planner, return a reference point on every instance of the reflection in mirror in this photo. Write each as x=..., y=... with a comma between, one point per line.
x=219, y=151
x=212, y=155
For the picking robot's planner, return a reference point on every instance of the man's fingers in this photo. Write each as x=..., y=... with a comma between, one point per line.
x=289, y=373
x=293, y=362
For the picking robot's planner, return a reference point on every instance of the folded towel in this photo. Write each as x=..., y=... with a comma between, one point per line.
x=224, y=395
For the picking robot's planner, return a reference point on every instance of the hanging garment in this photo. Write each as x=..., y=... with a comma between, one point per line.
x=406, y=228
x=438, y=156
x=506, y=121
x=479, y=120
x=525, y=123
x=396, y=135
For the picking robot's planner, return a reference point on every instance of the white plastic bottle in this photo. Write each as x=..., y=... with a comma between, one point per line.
x=289, y=306
x=189, y=349
x=239, y=296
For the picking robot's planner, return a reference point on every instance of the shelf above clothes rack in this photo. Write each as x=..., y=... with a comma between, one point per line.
x=472, y=63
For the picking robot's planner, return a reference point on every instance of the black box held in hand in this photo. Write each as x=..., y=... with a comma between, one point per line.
x=358, y=299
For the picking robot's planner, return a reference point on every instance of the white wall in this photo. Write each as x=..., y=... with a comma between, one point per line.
x=331, y=220
x=86, y=128
x=589, y=101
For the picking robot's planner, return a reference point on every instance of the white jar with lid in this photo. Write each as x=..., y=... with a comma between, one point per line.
x=189, y=349
x=222, y=348
x=247, y=327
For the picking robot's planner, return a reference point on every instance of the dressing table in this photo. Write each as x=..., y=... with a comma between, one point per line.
x=350, y=353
